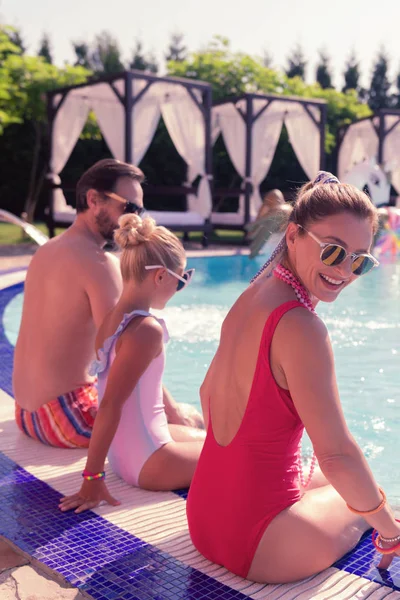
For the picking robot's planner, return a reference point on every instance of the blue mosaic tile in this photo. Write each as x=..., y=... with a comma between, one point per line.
x=182, y=493
x=6, y=349
x=92, y=553
x=363, y=561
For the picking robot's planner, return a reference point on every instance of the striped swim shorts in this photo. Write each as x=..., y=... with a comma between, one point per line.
x=65, y=422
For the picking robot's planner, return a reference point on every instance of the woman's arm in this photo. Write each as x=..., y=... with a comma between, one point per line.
x=303, y=350
x=137, y=347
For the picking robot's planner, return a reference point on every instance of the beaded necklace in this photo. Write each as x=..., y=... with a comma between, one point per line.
x=280, y=272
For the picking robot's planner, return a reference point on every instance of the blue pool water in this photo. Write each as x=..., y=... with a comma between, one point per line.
x=364, y=324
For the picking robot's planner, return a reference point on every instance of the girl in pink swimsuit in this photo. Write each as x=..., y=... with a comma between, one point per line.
x=249, y=508
x=131, y=424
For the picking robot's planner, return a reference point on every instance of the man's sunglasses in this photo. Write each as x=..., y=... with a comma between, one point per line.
x=183, y=280
x=130, y=207
x=333, y=255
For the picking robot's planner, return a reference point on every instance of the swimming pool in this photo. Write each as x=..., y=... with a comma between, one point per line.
x=364, y=324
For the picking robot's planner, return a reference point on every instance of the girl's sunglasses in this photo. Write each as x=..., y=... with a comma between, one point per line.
x=184, y=280
x=333, y=255
x=130, y=207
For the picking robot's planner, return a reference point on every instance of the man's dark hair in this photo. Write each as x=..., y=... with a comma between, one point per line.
x=103, y=176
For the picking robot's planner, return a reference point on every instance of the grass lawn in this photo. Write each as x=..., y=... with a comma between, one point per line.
x=11, y=234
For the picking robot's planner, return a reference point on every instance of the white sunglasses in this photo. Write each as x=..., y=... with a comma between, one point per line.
x=183, y=280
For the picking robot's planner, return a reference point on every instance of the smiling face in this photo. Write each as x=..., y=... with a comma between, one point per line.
x=325, y=282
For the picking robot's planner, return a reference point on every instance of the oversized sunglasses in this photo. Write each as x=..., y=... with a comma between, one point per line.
x=183, y=280
x=130, y=207
x=333, y=255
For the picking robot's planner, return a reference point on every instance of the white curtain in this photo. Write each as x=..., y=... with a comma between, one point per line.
x=110, y=115
x=145, y=117
x=391, y=150
x=185, y=124
x=68, y=124
x=304, y=136
x=265, y=136
x=227, y=120
x=360, y=143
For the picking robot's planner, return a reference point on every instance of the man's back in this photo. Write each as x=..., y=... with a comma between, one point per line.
x=70, y=285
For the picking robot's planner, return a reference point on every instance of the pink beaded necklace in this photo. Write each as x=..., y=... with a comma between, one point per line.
x=302, y=295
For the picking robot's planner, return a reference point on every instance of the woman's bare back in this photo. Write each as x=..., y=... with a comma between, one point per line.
x=228, y=382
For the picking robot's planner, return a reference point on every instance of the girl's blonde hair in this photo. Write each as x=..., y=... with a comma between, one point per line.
x=144, y=243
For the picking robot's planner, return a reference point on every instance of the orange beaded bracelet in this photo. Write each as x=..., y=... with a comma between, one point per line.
x=364, y=513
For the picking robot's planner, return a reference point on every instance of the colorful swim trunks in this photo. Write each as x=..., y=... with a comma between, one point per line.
x=65, y=422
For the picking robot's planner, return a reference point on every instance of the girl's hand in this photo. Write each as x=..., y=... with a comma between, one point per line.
x=91, y=494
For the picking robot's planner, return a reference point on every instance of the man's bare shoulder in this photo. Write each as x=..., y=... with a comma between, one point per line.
x=76, y=254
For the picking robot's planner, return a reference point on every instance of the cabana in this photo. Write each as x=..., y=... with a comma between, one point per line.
x=376, y=137
x=251, y=126
x=128, y=107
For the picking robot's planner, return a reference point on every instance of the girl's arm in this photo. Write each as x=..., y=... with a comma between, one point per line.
x=136, y=348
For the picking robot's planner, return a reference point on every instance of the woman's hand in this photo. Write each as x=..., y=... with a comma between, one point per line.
x=91, y=494
x=386, y=559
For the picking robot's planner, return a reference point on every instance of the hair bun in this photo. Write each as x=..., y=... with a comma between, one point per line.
x=133, y=230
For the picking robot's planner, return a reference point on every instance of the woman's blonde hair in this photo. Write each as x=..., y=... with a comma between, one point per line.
x=143, y=243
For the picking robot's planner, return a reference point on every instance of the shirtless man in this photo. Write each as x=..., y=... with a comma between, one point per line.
x=71, y=284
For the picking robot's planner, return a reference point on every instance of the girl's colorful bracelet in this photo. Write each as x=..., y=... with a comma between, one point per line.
x=88, y=476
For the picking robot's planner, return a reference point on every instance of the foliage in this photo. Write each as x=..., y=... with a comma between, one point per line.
x=229, y=73
x=142, y=61
x=351, y=74
x=82, y=54
x=323, y=74
x=296, y=63
x=45, y=49
x=24, y=80
x=379, y=96
x=106, y=54
x=177, y=50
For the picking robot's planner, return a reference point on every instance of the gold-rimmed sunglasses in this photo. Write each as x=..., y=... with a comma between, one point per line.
x=130, y=207
x=333, y=255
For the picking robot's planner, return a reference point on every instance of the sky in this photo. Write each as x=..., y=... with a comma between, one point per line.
x=252, y=26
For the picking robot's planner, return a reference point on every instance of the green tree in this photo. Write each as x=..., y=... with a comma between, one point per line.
x=15, y=36
x=323, y=75
x=82, y=54
x=45, y=49
x=397, y=94
x=177, y=50
x=379, y=96
x=267, y=59
x=8, y=90
x=229, y=73
x=351, y=74
x=26, y=79
x=296, y=63
x=106, y=54
x=142, y=61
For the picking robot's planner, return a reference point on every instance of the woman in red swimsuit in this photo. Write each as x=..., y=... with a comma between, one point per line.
x=272, y=376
